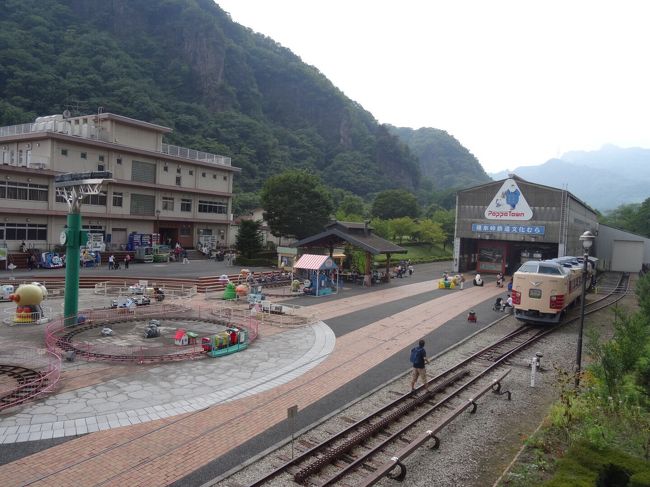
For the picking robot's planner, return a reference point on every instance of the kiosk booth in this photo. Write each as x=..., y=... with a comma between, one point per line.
x=320, y=274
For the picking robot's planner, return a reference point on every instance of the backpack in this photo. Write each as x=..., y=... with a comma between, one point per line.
x=416, y=353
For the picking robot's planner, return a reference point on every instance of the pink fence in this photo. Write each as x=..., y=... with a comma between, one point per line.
x=59, y=337
x=35, y=371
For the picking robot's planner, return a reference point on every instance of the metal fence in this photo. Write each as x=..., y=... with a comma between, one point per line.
x=35, y=372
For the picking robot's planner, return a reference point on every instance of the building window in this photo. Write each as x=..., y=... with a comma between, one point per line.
x=119, y=160
x=219, y=207
x=166, y=169
x=167, y=203
x=225, y=178
x=84, y=155
x=186, y=204
x=25, y=231
x=178, y=170
x=100, y=167
x=214, y=176
x=191, y=173
x=178, y=180
x=101, y=158
x=95, y=199
x=64, y=152
x=143, y=204
x=143, y=172
x=202, y=174
x=118, y=199
x=13, y=190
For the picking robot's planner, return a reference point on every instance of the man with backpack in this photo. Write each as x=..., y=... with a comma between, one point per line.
x=419, y=359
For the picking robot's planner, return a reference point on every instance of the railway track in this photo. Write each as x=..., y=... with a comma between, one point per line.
x=29, y=384
x=375, y=446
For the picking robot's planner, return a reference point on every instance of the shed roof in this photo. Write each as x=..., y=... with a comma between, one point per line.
x=357, y=234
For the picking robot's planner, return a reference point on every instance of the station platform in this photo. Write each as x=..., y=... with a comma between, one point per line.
x=184, y=423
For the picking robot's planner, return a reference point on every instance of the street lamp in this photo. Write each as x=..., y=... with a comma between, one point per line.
x=587, y=240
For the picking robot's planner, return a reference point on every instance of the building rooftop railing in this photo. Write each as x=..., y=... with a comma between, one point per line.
x=94, y=133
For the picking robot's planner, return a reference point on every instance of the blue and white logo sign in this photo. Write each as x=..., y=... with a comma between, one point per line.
x=509, y=204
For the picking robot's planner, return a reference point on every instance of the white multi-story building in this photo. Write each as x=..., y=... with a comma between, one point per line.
x=177, y=192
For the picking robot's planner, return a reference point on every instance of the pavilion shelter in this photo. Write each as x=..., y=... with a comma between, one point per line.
x=358, y=235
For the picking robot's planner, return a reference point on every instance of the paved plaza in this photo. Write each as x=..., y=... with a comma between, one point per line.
x=184, y=423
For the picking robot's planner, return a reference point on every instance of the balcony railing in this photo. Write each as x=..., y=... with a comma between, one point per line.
x=94, y=133
x=195, y=155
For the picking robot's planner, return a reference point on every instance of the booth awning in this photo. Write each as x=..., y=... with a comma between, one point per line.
x=315, y=262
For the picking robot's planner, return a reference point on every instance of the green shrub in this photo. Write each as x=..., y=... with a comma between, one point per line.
x=586, y=465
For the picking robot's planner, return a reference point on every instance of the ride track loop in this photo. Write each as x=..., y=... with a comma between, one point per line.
x=365, y=445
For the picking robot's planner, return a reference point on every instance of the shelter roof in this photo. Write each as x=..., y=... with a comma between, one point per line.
x=356, y=234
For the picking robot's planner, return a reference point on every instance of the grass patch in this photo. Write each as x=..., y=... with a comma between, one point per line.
x=418, y=254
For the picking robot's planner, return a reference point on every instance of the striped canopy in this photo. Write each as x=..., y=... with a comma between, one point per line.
x=315, y=262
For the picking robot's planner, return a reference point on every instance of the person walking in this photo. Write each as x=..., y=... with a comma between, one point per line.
x=419, y=359
x=462, y=281
x=111, y=262
x=127, y=259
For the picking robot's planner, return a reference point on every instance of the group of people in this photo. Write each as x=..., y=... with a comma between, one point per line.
x=113, y=264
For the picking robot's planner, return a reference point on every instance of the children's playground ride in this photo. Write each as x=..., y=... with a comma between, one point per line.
x=120, y=302
x=161, y=253
x=51, y=260
x=28, y=299
x=449, y=282
x=172, y=335
x=144, y=254
x=230, y=341
x=6, y=290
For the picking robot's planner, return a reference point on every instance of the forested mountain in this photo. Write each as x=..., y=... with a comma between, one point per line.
x=185, y=64
x=442, y=158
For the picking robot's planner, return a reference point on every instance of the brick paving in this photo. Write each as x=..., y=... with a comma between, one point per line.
x=166, y=450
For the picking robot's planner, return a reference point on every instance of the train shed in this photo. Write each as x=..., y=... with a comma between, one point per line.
x=622, y=251
x=501, y=224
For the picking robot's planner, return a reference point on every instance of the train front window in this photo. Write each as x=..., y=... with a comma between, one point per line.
x=555, y=271
x=528, y=267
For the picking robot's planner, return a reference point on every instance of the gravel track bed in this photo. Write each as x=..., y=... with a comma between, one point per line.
x=475, y=449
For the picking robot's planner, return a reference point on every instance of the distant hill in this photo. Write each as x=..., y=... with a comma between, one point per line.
x=604, y=179
x=442, y=158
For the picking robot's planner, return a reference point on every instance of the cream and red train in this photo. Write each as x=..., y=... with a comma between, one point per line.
x=543, y=290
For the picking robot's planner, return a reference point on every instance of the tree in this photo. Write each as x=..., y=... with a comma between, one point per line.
x=296, y=204
x=431, y=232
x=380, y=227
x=394, y=203
x=352, y=205
x=249, y=238
x=243, y=203
x=402, y=227
x=447, y=221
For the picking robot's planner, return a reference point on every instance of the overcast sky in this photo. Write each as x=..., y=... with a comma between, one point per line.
x=516, y=82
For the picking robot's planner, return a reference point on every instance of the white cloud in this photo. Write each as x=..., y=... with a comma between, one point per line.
x=515, y=82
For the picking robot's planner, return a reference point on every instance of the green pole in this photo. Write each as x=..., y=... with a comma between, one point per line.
x=71, y=302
